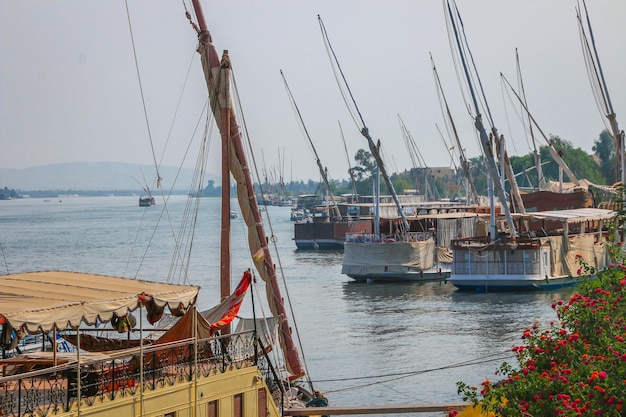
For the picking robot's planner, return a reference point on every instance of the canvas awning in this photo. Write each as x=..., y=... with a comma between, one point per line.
x=579, y=215
x=48, y=299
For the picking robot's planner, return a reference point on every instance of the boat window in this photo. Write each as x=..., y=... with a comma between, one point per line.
x=238, y=405
x=212, y=409
x=262, y=402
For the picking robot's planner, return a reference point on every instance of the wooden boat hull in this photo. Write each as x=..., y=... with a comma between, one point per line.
x=410, y=275
x=327, y=235
x=530, y=263
x=146, y=201
x=374, y=258
x=485, y=283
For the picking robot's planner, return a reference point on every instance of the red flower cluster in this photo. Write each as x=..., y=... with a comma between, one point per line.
x=574, y=368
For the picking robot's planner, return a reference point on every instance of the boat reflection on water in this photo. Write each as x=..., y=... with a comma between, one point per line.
x=358, y=290
x=428, y=324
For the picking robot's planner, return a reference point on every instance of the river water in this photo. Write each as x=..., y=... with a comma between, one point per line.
x=363, y=344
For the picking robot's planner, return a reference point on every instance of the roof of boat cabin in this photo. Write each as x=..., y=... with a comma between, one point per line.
x=48, y=299
x=578, y=215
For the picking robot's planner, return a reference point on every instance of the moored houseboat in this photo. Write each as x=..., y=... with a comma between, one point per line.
x=548, y=253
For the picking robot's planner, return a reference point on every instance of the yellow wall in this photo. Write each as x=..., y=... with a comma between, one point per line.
x=180, y=398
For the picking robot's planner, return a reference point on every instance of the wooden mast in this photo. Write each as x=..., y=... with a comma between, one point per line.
x=224, y=80
x=214, y=69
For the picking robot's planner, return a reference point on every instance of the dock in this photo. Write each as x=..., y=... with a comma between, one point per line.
x=373, y=409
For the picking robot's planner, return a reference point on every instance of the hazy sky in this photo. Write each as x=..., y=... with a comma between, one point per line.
x=69, y=90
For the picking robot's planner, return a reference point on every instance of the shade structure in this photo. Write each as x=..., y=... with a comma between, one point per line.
x=42, y=301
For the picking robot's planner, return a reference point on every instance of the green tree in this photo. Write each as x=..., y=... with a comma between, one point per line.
x=478, y=172
x=580, y=162
x=400, y=182
x=366, y=164
x=604, y=149
x=525, y=170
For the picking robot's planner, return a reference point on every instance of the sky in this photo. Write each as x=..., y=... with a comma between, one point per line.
x=70, y=90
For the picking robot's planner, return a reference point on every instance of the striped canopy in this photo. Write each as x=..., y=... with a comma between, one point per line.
x=46, y=300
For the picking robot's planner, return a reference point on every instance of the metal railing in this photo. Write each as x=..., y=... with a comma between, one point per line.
x=55, y=389
x=387, y=238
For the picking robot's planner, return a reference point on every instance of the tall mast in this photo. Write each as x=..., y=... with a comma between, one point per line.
x=485, y=142
x=374, y=148
x=350, y=170
x=418, y=161
x=603, y=94
x=541, y=181
x=555, y=155
x=225, y=271
x=464, y=162
x=323, y=173
x=214, y=70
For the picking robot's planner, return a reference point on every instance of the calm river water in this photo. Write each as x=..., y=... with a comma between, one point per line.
x=365, y=344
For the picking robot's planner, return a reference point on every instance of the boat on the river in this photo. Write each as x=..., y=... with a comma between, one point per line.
x=523, y=250
x=146, y=201
x=320, y=229
x=397, y=254
x=547, y=254
x=194, y=364
x=422, y=255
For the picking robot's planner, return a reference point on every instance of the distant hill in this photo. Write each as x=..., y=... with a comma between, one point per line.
x=93, y=176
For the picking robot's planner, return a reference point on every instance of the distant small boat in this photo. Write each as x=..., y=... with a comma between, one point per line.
x=146, y=201
x=233, y=214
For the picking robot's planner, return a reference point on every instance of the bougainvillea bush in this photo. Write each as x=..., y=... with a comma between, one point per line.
x=576, y=366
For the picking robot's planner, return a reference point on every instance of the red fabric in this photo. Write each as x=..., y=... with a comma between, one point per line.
x=233, y=303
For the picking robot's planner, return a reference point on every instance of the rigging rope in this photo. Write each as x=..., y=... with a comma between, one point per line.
x=143, y=100
x=272, y=237
x=401, y=375
x=592, y=73
x=4, y=258
x=353, y=110
x=511, y=139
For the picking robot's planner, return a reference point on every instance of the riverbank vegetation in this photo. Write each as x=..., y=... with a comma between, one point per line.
x=574, y=367
x=437, y=182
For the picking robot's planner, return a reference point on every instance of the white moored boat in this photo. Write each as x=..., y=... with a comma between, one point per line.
x=546, y=255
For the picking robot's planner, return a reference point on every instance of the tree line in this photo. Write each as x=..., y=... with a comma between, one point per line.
x=601, y=167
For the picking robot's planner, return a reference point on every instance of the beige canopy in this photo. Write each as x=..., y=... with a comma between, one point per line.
x=579, y=215
x=48, y=299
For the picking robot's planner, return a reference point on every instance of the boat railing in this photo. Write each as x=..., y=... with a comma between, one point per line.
x=387, y=238
x=35, y=387
x=502, y=242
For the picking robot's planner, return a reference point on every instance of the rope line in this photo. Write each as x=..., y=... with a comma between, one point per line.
x=143, y=100
x=330, y=50
x=401, y=375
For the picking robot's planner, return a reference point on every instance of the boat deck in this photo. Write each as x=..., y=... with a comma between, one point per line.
x=35, y=386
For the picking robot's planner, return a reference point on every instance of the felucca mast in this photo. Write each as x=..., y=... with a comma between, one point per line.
x=374, y=148
x=602, y=96
x=555, y=155
x=484, y=138
x=448, y=115
x=215, y=72
x=541, y=181
x=323, y=173
x=418, y=161
x=350, y=170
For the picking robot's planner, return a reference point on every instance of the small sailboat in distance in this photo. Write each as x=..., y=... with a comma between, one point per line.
x=197, y=366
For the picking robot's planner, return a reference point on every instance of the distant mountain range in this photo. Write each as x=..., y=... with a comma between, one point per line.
x=100, y=176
